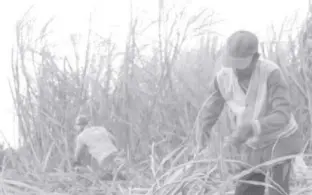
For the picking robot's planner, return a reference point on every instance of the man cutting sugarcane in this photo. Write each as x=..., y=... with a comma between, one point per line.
x=99, y=143
x=255, y=91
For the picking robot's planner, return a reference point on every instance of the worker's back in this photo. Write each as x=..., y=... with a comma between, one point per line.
x=99, y=141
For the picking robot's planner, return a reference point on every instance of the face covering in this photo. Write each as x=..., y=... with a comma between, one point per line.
x=245, y=74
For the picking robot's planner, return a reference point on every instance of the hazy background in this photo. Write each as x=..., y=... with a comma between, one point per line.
x=113, y=17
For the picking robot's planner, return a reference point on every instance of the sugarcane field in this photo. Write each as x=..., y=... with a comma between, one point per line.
x=156, y=97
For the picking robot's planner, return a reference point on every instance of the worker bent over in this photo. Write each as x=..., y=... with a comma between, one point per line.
x=255, y=91
x=99, y=143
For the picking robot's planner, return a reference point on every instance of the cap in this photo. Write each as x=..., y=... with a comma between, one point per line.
x=239, y=49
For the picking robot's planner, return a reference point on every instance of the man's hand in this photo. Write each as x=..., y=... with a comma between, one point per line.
x=76, y=163
x=242, y=134
x=201, y=142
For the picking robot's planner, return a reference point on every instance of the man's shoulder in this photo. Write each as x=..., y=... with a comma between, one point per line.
x=94, y=130
x=268, y=65
x=91, y=132
x=274, y=72
x=223, y=72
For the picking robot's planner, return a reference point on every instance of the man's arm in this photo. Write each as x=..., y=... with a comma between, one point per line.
x=279, y=105
x=80, y=146
x=210, y=112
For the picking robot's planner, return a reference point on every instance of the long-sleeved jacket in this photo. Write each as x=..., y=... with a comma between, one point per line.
x=278, y=106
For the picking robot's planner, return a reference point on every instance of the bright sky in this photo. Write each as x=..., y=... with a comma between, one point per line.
x=113, y=16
